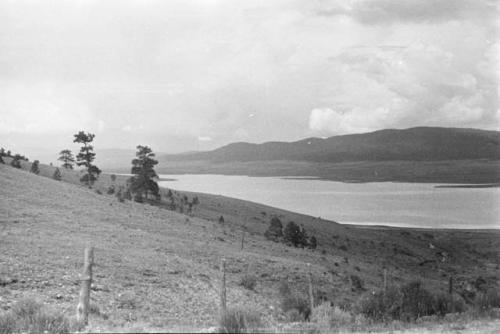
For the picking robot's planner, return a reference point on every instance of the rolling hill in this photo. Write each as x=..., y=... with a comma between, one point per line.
x=423, y=154
x=415, y=144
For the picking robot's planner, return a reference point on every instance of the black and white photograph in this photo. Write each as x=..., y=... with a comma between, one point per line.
x=249, y=166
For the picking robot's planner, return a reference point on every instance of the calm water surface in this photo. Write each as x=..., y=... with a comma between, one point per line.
x=378, y=203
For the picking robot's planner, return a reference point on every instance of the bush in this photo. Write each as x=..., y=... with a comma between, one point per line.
x=382, y=306
x=16, y=163
x=444, y=304
x=487, y=300
x=417, y=301
x=240, y=321
x=248, y=282
x=111, y=190
x=275, y=229
x=28, y=316
x=410, y=302
x=357, y=283
x=330, y=318
x=293, y=304
x=57, y=175
x=34, y=167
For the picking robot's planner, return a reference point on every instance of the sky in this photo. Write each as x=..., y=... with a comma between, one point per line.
x=195, y=75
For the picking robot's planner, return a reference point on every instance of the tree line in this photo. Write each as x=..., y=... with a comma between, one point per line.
x=292, y=234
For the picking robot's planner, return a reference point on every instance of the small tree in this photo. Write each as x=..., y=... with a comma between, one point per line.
x=313, y=243
x=275, y=229
x=143, y=183
x=302, y=238
x=221, y=219
x=86, y=157
x=16, y=161
x=292, y=233
x=34, y=167
x=57, y=175
x=67, y=158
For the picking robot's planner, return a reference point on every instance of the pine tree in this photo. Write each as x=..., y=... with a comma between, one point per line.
x=275, y=230
x=313, y=243
x=292, y=233
x=302, y=238
x=34, y=167
x=143, y=182
x=16, y=161
x=86, y=157
x=57, y=175
x=67, y=158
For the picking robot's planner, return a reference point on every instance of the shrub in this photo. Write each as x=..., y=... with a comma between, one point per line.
x=444, y=304
x=221, y=219
x=410, y=302
x=248, y=282
x=16, y=162
x=357, y=283
x=382, y=306
x=34, y=167
x=417, y=301
x=330, y=318
x=57, y=175
x=111, y=189
x=29, y=316
x=291, y=303
x=487, y=300
x=240, y=321
x=98, y=192
x=313, y=243
x=275, y=230
x=127, y=194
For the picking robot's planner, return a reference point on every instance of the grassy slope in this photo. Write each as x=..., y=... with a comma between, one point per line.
x=159, y=267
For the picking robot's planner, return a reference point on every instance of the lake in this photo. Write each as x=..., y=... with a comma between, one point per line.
x=377, y=203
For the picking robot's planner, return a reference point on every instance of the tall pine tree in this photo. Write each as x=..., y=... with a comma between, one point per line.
x=86, y=157
x=143, y=181
x=67, y=158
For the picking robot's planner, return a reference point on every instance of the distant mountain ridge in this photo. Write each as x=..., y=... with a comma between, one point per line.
x=418, y=144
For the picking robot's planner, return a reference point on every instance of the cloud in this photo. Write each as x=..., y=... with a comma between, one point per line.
x=421, y=84
x=326, y=120
x=204, y=138
x=409, y=11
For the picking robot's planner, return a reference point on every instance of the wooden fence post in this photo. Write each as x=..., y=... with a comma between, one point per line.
x=311, y=297
x=82, y=310
x=223, y=289
x=385, y=280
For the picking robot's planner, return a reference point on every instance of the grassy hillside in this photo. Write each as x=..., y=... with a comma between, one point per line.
x=158, y=269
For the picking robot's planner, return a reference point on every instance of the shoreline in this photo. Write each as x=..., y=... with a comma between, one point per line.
x=358, y=225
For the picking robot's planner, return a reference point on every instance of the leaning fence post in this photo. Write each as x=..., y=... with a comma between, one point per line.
x=311, y=297
x=223, y=289
x=82, y=310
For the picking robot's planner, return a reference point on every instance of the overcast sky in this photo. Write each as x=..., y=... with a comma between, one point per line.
x=187, y=75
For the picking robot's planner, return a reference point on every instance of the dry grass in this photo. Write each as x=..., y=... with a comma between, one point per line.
x=157, y=270
x=29, y=316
